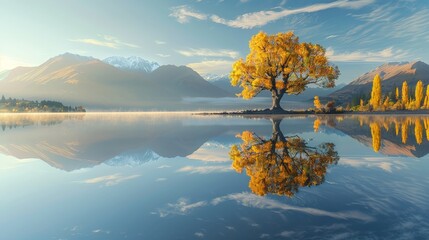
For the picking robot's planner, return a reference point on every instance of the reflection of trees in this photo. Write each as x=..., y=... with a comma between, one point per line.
x=10, y=121
x=379, y=125
x=281, y=164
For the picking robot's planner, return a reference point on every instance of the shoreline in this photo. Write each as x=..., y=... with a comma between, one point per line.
x=308, y=112
x=231, y=113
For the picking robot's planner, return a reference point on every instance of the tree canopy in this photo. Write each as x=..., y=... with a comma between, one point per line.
x=281, y=64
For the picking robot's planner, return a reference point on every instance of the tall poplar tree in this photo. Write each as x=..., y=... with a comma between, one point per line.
x=419, y=94
x=375, y=100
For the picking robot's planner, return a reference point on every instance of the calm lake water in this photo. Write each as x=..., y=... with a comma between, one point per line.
x=178, y=176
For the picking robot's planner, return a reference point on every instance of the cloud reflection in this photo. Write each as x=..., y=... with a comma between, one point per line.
x=110, y=180
x=205, y=169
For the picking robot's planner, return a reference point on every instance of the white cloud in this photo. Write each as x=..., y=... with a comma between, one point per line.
x=390, y=21
x=109, y=180
x=205, y=52
x=184, y=13
x=163, y=55
x=7, y=63
x=199, y=234
x=212, y=67
x=331, y=36
x=386, y=164
x=246, y=199
x=181, y=207
x=261, y=18
x=106, y=41
x=414, y=27
x=205, y=169
x=251, y=200
x=160, y=42
x=164, y=166
x=385, y=55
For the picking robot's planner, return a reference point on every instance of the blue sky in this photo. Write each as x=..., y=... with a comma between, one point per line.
x=208, y=35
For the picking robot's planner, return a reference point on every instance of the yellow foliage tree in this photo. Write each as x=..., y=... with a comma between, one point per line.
x=426, y=123
x=397, y=93
x=361, y=105
x=418, y=131
x=386, y=103
x=317, y=103
x=316, y=125
x=375, y=100
x=376, y=136
x=281, y=165
x=404, y=132
x=405, y=93
x=426, y=102
x=281, y=64
x=419, y=94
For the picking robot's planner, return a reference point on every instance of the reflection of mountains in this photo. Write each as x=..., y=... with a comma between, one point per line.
x=74, y=145
x=399, y=135
x=81, y=141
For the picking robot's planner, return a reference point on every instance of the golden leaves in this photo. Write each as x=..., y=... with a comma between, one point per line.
x=376, y=136
x=419, y=94
x=405, y=92
x=376, y=96
x=317, y=103
x=279, y=63
x=281, y=165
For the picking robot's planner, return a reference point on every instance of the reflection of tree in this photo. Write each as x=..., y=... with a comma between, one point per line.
x=418, y=131
x=376, y=136
x=281, y=164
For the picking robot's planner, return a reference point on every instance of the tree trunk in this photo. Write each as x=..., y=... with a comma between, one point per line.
x=276, y=126
x=276, y=101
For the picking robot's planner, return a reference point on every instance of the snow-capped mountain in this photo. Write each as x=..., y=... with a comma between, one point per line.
x=133, y=158
x=215, y=77
x=137, y=64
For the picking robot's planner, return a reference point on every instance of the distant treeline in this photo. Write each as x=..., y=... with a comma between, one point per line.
x=16, y=106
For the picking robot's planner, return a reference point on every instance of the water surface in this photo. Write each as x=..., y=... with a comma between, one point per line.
x=179, y=176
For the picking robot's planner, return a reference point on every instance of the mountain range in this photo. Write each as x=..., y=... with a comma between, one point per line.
x=79, y=80
x=392, y=75
x=133, y=83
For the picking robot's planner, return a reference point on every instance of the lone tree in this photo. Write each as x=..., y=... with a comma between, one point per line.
x=281, y=64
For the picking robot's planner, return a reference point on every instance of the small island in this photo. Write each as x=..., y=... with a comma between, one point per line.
x=14, y=105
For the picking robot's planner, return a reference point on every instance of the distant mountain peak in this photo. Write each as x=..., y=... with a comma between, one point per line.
x=215, y=77
x=77, y=57
x=419, y=64
x=132, y=63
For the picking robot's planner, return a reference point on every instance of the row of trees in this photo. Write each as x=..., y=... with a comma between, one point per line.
x=402, y=100
x=17, y=105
